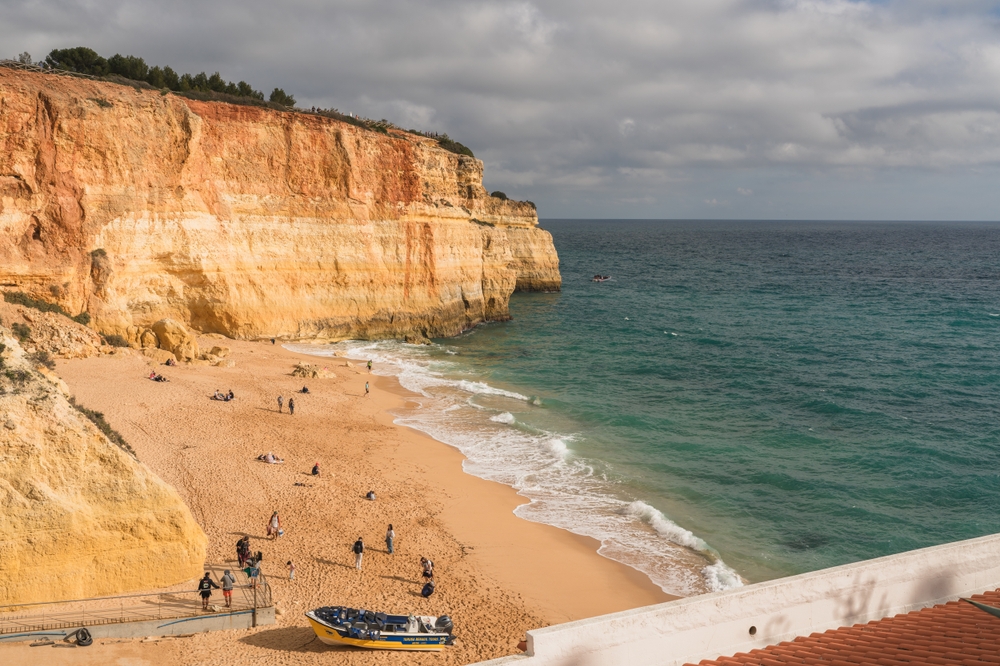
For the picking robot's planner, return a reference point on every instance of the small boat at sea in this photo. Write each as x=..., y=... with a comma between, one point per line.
x=338, y=625
x=600, y=278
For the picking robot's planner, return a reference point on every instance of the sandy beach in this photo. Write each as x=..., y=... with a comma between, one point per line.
x=497, y=575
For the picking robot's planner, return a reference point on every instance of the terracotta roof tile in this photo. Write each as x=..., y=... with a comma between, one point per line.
x=951, y=634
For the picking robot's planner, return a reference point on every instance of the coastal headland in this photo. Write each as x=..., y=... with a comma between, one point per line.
x=135, y=205
x=497, y=575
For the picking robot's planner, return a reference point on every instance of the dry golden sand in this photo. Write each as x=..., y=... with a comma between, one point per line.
x=497, y=575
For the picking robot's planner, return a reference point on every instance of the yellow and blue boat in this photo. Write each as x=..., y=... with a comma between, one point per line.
x=338, y=625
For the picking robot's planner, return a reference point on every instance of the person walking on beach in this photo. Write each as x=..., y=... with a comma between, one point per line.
x=205, y=586
x=291, y=570
x=291, y=405
x=227, y=587
x=389, y=537
x=369, y=366
x=281, y=402
x=359, y=552
x=366, y=389
x=273, y=525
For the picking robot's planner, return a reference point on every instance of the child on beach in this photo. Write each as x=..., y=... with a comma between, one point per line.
x=281, y=402
x=389, y=537
x=428, y=568
x=291, y=570
x=366, y=389
x=369, y=366
x=291, y=405
x=315, y=471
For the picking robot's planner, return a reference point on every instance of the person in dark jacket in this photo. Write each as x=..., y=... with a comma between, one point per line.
x=205, y=586
x=359, y=552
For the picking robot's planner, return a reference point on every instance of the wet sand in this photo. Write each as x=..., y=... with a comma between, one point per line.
x=497, y=575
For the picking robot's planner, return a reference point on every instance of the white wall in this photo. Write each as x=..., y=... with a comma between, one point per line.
x=718, y=624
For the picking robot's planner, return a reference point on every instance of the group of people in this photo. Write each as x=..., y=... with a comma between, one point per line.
x=225, y=397
x=249, y=562
x=291, y=404
x=206, y=584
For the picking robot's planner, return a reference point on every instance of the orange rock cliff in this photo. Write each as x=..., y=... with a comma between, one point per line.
x=136, y=206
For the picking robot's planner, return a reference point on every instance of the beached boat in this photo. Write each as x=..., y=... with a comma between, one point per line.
x=337, y=625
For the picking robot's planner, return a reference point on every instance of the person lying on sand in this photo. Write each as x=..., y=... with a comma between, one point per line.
x=270, y=458
x=157, y=378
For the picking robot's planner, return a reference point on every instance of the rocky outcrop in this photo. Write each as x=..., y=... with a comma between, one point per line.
x=52, y=333
x=174, y=338
x=248, y=222
x=311, y=371
x=81, y=516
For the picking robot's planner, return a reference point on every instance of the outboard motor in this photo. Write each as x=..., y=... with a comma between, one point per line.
x=443, y=624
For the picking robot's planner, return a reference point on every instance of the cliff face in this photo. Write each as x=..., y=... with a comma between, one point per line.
x=246, y=221
x=81, y=517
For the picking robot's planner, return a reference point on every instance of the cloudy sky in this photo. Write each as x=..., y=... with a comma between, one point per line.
x=777, y=109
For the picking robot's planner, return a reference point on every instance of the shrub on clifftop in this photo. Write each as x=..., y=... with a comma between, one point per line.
x=278, y=96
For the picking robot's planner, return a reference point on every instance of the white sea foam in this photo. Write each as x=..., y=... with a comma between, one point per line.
x=665, y=527
x=564, y=490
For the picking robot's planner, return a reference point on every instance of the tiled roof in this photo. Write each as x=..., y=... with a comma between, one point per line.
x=953, y=633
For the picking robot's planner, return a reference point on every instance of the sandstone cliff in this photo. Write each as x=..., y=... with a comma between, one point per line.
x=137, y=206
x=81, y=516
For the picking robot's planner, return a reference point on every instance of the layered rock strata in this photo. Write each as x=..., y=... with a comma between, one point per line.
x=137, y=206
x=82, y=518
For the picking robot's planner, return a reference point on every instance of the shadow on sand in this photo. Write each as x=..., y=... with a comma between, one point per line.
x=291, y=639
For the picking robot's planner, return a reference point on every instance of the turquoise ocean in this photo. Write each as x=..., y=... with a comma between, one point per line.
x=741, y=400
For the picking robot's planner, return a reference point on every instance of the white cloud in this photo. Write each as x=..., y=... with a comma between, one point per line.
x=744, y=191
x=609, y=106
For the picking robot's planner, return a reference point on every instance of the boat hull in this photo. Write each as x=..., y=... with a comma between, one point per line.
x=396, y=641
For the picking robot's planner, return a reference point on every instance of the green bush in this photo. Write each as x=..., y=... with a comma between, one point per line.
x=82, y=318
x=97, y=418
x=19, y=377
x=79, y=59
x=453, y=146
x=21, y=331
x=114, y=340
x=278, y=96
x=498, y=195
x=21, y=298
x=44, y=358
x=99, y=252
